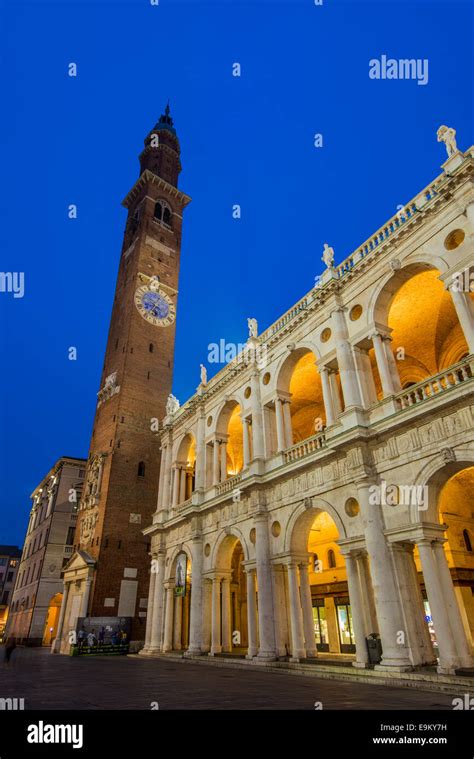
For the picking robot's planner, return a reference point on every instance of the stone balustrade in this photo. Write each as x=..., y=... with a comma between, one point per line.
x=435, y=385
x=305, y=448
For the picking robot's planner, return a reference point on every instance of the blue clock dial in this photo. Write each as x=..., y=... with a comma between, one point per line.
x=155, y=305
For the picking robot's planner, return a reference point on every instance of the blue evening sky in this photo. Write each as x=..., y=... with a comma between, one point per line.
x=246, y=141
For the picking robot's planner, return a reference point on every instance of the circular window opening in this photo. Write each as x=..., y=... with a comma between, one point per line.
x=352, y=507
x=454, y=239
x=325, y=335
x=355, y=312
x=247, y=392
x=209, y=421
x=253, y=535
x=207, y=549
x=266, y=378
x=276, y=529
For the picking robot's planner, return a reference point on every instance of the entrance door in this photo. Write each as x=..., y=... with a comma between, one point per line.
x=320, y=627
x=344, y=624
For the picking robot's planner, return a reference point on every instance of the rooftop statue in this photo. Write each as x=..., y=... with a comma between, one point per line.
x=448, y=136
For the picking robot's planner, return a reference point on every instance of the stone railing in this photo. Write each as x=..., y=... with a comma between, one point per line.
x=393, y=225
x=305, y=448
x=435, y=385
x=228, y=485
x=184, y=504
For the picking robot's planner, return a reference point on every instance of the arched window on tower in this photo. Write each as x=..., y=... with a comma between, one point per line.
x=151, y=347
x=467, y=540
x=163, y=212
x=331, y=559
x=141, y=469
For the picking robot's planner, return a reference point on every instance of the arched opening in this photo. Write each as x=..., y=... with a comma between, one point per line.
x=227, y=603
x=185, y=469
x=52, y=619
x=141, y=469
x=178, y=604
x=448, y=592
x=297, y=412
x=419, y=314
x=228, y=453
x=332, y=612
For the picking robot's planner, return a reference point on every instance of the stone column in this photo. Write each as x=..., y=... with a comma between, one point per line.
x=246, y=441
x=389, y=613
x=216, y=646
x=226, y=616
x=215, y=463
x=178, y=622
x=159, y=504
x=327, y=396
x=251, y=614
x=59, y=633
x=382, y=365
x=265, y=588
x=195, y=622
x=366, y=379
x=149, y=608
x=168, y=636
x=166, y=500
x=287, y=423
x=336, y=399
x=392, y=364
x=296, y=615
x=307, y=608
x=200, y=481
x=158, y=598
x=257, y=418
x=464, y=311
x=345, y=360
x=182, y=486
x=175, y=486
x=85, y=598
x=370, y=615
x=206, y=615
x=448, y=660
x=455, y=619
x=281, y=438
x=280, y=610
x=355, y=599
x=223, y=460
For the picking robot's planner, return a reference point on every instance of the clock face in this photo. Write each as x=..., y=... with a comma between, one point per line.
x=155, y=306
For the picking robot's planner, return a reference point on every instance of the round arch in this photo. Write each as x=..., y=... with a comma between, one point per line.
x=171, y=567
x=300, y=522
x=222, y=551
x=434, y=475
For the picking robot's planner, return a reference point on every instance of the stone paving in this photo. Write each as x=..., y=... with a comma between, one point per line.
x=48, y=681
x=61, y=682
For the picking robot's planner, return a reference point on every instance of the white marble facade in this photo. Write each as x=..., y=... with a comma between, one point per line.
x=375, y=428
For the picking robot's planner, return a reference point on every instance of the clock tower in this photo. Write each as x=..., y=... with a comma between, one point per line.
x=109, y=572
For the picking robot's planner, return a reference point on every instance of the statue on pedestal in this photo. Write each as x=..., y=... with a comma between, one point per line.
x=203, y=374
x=253, y=327
x=328, y=256
x=448, y=136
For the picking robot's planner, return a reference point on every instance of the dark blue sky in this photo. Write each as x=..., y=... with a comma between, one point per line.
x=246, y=140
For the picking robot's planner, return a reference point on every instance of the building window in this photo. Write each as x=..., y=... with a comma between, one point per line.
x=70, y=536
x=141, y=469
x=331, y=559
x=151, y=347
x=467, y=540
x=5, y=597
x=9, y=576
x=163, y=212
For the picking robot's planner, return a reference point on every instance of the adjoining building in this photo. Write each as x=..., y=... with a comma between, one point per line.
x=9, y=564
x=320, y=487
x=37, y=596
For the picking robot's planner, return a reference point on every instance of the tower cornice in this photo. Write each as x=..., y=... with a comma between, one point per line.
x=149, y=177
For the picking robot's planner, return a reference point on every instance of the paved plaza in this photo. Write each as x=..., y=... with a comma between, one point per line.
x=46, y=681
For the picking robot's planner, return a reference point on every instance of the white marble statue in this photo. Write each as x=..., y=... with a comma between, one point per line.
x=154, y=283
x=448, y=136
x=172, y=405
x=253, y=327
x=328, y=256
x=203, y=374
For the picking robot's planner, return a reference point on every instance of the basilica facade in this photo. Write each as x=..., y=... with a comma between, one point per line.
x=320, y=488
